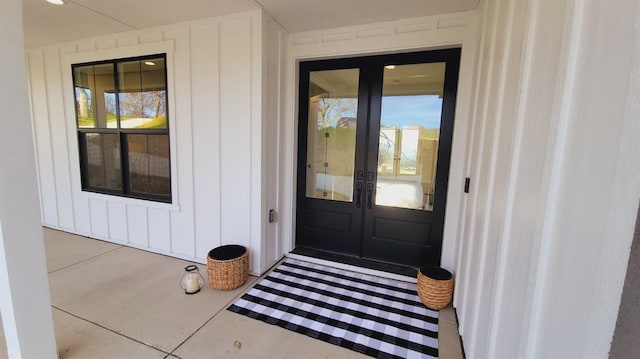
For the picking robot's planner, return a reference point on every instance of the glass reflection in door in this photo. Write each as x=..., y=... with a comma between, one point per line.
x=409, y=135
x=331, y=137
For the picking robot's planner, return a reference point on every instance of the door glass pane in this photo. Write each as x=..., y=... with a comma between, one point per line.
x=409, y=135
x=331, y=137
x=149, y=170
x=103, y=161
x=142, y=94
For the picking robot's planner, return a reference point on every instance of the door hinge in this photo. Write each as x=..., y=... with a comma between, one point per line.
x=273, y=216
x=467, y=181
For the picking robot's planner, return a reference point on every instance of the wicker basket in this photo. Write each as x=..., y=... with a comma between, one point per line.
x=227, y=267
x=435, y=287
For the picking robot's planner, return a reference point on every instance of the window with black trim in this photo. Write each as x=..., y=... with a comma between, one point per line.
x=123, y=127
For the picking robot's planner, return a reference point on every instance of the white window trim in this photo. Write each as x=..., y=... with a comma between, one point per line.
x=166, y=47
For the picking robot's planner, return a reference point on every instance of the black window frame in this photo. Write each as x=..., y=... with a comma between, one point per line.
x=122, y=133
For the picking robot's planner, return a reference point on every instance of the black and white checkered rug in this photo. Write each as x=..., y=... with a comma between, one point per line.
x=374, y=316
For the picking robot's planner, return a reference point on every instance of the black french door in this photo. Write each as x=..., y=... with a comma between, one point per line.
x=374, y=144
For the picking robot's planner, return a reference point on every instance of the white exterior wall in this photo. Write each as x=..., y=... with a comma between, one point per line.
x=553, y=159
x=594, y=186
x=218, y=136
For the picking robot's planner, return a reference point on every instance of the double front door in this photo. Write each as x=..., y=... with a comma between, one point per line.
x=373, y=155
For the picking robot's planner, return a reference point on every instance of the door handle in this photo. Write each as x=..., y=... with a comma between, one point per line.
x=358, y=194
x=369, y=195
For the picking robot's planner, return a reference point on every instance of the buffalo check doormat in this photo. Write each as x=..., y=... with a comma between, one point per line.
x=378, y=317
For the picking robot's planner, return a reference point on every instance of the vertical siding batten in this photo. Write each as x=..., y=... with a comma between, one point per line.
x=264, y=156
x=500, y=158
x=282, y=48
x=259, y=147
x=461, y=294
x=556, y=158
x=485, y=167
x=182, y=224
x=40, y=110
x=206, y=136
x=68, y=126
x=522, y=221
x=469, y=273
x=457, y=167
x=33, y=129
x=58, y=138
x=219, y=132
x=257, y=144
x=288, y=157
x=516, y=34
x=235, y=125
x=218, y=72
x=272, y=107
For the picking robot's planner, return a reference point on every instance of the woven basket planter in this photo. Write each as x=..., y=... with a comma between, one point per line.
x=227, y=267
x=435, y=287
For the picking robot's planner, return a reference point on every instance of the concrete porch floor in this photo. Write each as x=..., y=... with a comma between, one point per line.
x=111, y=301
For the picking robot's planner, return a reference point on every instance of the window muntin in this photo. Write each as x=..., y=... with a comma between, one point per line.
x=122, y=124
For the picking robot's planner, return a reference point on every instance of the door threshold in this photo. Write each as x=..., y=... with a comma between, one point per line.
x=354, y=264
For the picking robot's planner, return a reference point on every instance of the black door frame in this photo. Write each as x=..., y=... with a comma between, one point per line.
x=369, y=99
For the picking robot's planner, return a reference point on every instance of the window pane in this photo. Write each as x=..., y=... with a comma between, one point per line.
x=331, y=137
x=149, y=170
x=84, y=91
x=142, y=94
x=103, y=161
x=95, y=96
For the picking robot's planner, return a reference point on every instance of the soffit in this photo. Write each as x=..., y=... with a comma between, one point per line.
x=46, y=24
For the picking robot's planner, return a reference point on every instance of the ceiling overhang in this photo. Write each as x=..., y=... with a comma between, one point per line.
x=46, y=24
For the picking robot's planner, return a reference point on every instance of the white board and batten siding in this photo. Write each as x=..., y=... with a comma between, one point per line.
x=219, y=138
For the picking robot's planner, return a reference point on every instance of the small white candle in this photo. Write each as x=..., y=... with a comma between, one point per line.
x=193, y=284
